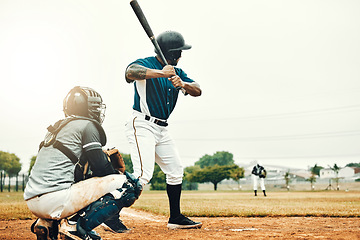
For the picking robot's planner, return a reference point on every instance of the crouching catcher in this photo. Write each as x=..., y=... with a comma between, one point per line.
x=72, y=180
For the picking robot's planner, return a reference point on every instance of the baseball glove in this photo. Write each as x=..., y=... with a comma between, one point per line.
x=262, y=173
x=116, y=159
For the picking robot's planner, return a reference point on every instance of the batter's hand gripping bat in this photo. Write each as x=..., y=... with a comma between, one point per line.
x=144, y=23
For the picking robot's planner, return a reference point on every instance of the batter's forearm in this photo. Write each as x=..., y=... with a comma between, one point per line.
x=138, y=72
x=193, y=89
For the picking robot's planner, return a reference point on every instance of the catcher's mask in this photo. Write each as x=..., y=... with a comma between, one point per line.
x=86, y=102
x=172, y=43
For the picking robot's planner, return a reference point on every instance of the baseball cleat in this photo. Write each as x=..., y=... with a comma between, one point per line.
x=45, y=229
x=182, y=222
x=68, y=231
x=115, y=225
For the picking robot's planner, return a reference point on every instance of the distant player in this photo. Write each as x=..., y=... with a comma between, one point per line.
x=259, y=174
x=156, y=94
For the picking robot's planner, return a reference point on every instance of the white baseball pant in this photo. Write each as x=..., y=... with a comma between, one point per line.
x=60, y=204
x=152, y=143
x=255, y=182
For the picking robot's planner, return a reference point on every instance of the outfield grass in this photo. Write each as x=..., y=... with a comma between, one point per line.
x=13, y=206
x=225, y=204
x=244, y=204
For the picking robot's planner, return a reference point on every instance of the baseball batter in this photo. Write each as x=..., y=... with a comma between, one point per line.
x=59, y=185
x=155, y=98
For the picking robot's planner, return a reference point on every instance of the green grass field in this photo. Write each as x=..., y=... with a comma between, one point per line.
x=226, y=204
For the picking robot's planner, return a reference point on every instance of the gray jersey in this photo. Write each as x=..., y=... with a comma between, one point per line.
x=53, y=171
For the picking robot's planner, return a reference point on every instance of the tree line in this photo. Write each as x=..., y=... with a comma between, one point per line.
x=9, y=163
x=208, y=169
x=9, y=166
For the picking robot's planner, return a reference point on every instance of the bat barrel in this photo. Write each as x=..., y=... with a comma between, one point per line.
x=142, y=19
x=144, y=23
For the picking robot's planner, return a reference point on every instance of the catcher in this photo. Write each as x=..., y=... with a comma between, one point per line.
x=61, y=184
x=259, y=173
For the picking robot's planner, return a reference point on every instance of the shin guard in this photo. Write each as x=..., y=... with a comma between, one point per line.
x=98, y=212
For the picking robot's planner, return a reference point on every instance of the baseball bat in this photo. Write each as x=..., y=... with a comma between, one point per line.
x=144, y=23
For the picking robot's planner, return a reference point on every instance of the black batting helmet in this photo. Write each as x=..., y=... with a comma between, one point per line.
x=171, y=44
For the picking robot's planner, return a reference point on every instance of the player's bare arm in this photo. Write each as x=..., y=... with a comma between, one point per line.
x=138, y=72
x=135, y=72
x=191, y=88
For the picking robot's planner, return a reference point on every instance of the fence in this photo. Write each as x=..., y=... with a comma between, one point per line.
x=16, y=183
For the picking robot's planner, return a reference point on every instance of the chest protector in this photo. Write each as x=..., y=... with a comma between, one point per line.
x=81, y=164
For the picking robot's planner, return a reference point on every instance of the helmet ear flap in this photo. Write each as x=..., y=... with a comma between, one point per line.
x=76, y=103
x=174, y=55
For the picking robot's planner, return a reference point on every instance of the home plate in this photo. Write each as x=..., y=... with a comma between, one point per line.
x=243, y=229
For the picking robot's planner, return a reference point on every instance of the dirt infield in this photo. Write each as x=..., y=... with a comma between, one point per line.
x=148, y=226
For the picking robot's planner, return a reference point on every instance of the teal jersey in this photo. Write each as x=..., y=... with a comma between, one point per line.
x=156, y=97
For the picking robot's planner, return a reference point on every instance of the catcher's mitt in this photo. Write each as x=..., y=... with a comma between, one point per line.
x=116, y=159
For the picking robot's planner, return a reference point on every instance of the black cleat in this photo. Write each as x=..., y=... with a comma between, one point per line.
x=115, y=225
x=182, y=222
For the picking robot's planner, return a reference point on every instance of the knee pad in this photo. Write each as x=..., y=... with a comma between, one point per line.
x=98, y=212
x=129, y=197
x=133, y=184
x=133, y=189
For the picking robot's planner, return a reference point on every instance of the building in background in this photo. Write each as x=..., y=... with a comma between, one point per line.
x=346, y=172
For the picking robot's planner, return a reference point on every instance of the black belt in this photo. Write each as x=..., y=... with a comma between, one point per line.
x=156, y=121
x=37, y=196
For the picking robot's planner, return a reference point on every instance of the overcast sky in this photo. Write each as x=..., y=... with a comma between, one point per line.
x=280, y=79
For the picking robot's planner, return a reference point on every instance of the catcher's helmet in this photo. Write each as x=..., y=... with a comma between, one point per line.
x=86, y=102
x=171, y=44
